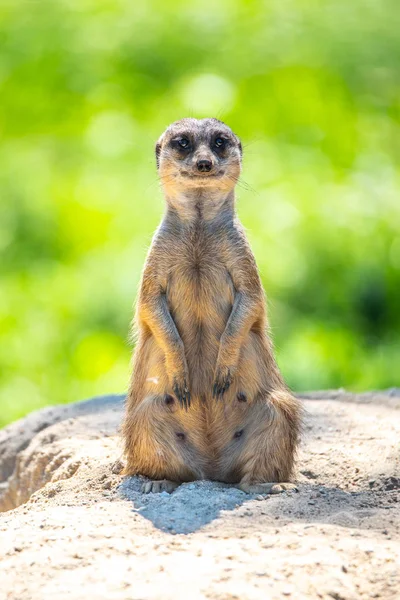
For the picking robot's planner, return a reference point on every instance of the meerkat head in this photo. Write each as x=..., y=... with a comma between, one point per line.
x=198, y=154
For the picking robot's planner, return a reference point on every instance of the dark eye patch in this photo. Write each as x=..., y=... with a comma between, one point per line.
x=181, y=143
x=219, y=142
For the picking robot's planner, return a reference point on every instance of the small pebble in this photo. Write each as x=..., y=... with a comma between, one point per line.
x=117, y=467
x=287, y=592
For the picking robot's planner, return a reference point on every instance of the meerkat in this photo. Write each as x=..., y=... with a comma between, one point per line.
x=206, y=397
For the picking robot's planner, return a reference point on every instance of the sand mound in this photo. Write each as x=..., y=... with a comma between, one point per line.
x=72, y=528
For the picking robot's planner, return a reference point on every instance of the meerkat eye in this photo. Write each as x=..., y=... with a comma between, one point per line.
x=219, y=142
x=183, y=142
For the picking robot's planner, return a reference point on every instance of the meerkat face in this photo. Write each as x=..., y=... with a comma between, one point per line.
x=196, y=154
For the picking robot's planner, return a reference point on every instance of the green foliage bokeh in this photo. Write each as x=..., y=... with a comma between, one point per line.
x=87, y=86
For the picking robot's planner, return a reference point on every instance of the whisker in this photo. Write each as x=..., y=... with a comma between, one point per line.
x=251, y=142
x=246, y=186
x=242, y=184
x=160, y=179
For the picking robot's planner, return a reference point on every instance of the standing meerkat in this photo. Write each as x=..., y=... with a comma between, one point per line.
x=206, y=398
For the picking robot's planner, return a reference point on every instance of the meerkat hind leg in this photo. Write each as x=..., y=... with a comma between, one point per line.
x=266, y=488
x=159, y=485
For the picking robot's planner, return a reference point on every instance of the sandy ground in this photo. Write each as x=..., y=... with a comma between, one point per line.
x=72, y=528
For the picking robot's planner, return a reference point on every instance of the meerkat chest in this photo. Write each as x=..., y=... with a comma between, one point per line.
x=200, y=261
x=199, y=279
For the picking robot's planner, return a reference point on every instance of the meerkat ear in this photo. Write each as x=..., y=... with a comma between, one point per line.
x=240, y=146
x=158, y=150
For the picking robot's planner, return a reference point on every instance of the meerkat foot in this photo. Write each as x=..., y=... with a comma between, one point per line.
x=161, y=485
x=266, y=488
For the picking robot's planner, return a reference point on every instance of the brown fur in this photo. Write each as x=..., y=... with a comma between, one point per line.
x=206, y=398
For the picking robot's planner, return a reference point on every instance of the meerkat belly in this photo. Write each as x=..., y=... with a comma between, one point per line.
x=200, y=298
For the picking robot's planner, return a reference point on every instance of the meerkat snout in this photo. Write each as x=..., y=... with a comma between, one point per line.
x=204, y=165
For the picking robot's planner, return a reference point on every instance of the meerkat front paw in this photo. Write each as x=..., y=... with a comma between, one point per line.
x=266, y=488
x=180, y=388
x=158, y=486
x=222, y=381
x=178, y=376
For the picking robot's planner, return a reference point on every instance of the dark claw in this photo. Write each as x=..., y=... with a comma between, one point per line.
x=221, y=386
x=182, y=394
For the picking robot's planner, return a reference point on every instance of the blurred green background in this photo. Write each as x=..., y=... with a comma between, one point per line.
x=87, y=86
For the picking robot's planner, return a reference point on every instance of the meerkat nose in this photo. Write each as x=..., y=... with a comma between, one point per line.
x=204, y=166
